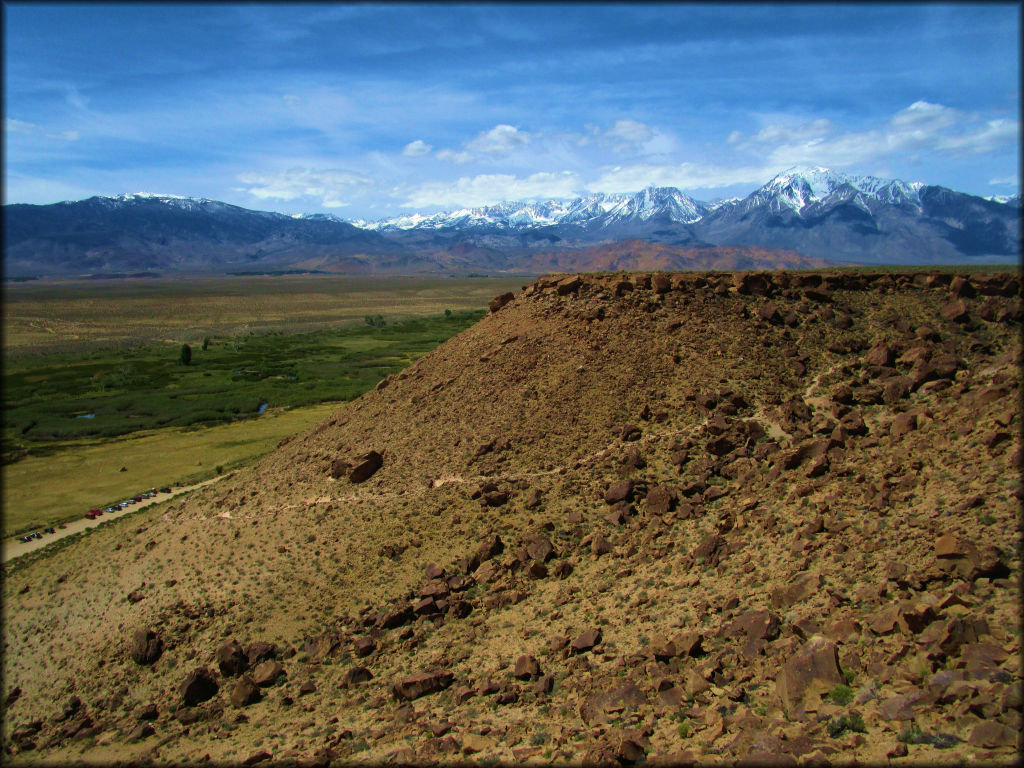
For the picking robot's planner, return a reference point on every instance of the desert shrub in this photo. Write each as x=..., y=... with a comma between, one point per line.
x=850, y=722
x=841, y=694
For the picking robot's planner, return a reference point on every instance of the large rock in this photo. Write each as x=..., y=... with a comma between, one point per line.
x=527, y=668
x=260, y=650
x=755, y=625
x=356, y=675
x=366, y=466
x=800, y=587
x=814, y=669
x=954, y=311
x=492, y=546
x=231, y=659
x=198, y=687
x=586, y=641
x=659, y=500
x=267, y=673
x=421, y=684
x=146, y=647
x=500, y=301
x=880, y=354
x=245, y=692
x=568, y=285
x=598, y=706
x=539, y=548
x=622, y=491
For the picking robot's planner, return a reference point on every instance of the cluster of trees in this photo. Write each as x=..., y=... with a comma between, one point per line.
x=376, y=322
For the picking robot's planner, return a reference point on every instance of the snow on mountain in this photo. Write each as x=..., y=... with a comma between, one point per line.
x=1004, y=199
x=792, y=190
x=800, y=186
x=600, y=208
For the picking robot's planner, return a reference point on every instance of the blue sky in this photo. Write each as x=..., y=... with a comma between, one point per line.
x=374, y=110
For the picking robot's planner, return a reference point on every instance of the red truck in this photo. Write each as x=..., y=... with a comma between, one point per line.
x=93, y=513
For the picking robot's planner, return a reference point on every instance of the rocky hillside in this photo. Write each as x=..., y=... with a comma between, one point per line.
x=677, y=517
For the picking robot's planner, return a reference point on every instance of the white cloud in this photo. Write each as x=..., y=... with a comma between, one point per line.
x=994, y=134
x=459, y=158
x=923, y=113
x=20, y=126
x=487, y=189
x=630, y=131
x=815, y=130
x=501, y=139
x=31, y=129
x=328, y=185
x=1005, y=181
x=684, y=175
x=921, y=127
x=416, y=148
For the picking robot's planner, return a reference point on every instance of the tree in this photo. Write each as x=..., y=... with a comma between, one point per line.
x=186, y=354
x=206, y=343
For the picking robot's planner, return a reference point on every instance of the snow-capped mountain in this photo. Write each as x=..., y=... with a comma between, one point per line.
x=594, y=211
x=802, y=186
x=821, y=213
x=866, y=219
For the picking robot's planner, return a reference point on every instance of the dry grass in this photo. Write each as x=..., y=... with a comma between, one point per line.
x=79, y=315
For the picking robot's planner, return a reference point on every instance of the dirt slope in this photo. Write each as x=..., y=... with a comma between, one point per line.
x=680, y=517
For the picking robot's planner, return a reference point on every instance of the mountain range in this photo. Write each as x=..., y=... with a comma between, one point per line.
x=820, y=214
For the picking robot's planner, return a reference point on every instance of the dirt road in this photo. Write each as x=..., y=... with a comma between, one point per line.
x=14, y=547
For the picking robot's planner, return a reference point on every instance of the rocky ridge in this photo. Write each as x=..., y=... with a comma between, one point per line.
x=677, y=517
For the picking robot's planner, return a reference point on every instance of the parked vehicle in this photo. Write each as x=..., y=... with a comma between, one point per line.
x=51, y=530
x=165, y=490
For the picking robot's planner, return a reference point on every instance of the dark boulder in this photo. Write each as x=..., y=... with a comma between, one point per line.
x=231, y=659
x=146, y=647
x=198, y=687
x=366, y=467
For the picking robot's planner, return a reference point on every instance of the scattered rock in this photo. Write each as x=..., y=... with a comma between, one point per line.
x=527, y=668
x=622, y=491
x=586, y=641
x=245, y=692
x=266, y=673
x=366, y=466
x=231, y=659
x=599, y=545
x=993, y=735
x=363, y=646
x=812, y=669
x=141, y=731
x=954, y=311
x=356, y=675
x=146, y=647
x=260, y=650
x=500, y=301
x=198, y=687
x=421, y=684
